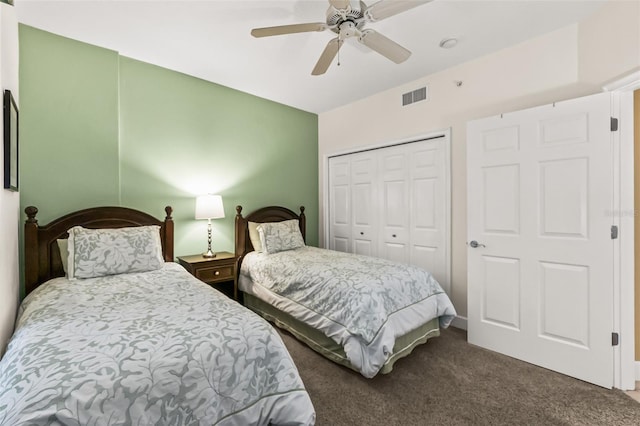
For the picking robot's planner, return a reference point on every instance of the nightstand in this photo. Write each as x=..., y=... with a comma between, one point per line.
x=219, y=272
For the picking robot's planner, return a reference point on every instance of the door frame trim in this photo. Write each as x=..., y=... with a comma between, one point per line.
x=624, y=376
x=446, y=134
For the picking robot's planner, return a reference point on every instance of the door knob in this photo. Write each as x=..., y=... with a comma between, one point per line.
x=475, y=244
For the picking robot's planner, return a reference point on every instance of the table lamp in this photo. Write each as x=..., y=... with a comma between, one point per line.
x=209, y=207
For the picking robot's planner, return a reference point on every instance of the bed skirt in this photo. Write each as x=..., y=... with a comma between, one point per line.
x=329, y=348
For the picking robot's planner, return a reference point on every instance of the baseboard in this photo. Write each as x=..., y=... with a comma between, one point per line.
x=461, y=322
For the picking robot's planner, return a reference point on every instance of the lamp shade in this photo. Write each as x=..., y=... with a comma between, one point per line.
x=209, y=207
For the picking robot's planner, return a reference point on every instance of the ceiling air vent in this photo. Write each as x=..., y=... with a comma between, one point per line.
x=414, y=96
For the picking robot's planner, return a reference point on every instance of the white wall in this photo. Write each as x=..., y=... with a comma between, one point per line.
x=571, y=62
x=9, y=201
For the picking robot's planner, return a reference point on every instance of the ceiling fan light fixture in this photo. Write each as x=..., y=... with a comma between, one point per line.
x=448, y=43
x=347, y=29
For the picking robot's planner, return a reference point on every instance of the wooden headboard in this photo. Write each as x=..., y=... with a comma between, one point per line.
x=265, y=214
x=42, y=256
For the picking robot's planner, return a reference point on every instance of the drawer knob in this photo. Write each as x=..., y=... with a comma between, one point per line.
x=216, y=273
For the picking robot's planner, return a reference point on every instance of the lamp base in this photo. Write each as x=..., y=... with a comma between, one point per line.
x=209, y=254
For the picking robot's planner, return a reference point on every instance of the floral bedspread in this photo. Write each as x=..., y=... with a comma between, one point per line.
x=361, y=302
x=152, y=348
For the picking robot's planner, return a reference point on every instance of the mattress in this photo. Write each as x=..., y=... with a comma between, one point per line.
x=362, y=303
x=157, y=347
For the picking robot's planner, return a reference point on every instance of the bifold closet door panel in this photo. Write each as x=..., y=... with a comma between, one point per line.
x=364, y=203
x=427, y=209
x=340, y=204
x=394, y=202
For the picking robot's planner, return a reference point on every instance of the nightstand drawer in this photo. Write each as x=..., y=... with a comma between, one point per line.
x=215, y=273
x=219, y=271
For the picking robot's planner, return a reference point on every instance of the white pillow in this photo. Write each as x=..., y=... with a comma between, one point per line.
x=280, y=236
x=99, y=252
x=64, y=253
x=254, y=236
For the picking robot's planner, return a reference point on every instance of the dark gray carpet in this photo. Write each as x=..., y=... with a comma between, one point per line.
x=449, y=382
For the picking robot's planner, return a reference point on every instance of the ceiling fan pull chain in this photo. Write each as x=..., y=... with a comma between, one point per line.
x=339, y=41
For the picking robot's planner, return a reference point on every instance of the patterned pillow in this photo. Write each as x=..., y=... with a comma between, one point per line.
x=280, y=236
x=99, y=252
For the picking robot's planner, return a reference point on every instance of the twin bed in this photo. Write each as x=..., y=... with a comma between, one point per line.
x=149, y=345
x=362, y=312
x=112, y=331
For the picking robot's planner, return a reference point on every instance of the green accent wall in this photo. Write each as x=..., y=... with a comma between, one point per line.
x=181, y=136
x=98, y=128
x=68, y=124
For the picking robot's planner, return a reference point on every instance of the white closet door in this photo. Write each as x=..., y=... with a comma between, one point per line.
x=540, y=275
x=394, y=203
x=340, y=204
x=427, y=224
x=364, y=203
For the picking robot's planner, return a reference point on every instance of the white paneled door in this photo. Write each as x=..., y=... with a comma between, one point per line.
x=364, y=203
x=394, y=203
x=428, y=228
x=540, y=256
x=340, y=205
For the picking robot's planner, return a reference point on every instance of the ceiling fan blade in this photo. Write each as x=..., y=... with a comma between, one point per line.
x=327, y=56
x=384, y=9
x=288, y=29
x=384, y=46
x=339, y=4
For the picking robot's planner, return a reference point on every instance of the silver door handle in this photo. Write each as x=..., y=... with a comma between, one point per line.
x=475, y=244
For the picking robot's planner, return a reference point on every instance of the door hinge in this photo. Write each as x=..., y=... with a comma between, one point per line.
x=614, y=124
x=614, y=232
x=615, y=339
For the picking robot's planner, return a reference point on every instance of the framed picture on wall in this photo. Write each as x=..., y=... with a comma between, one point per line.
x=10, y=111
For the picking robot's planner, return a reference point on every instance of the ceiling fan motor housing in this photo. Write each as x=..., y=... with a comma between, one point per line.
x=354, y=13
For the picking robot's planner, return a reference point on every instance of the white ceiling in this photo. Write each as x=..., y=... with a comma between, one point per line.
x=211, y=40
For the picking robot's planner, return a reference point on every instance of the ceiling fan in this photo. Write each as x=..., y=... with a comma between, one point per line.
x=347, y=19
